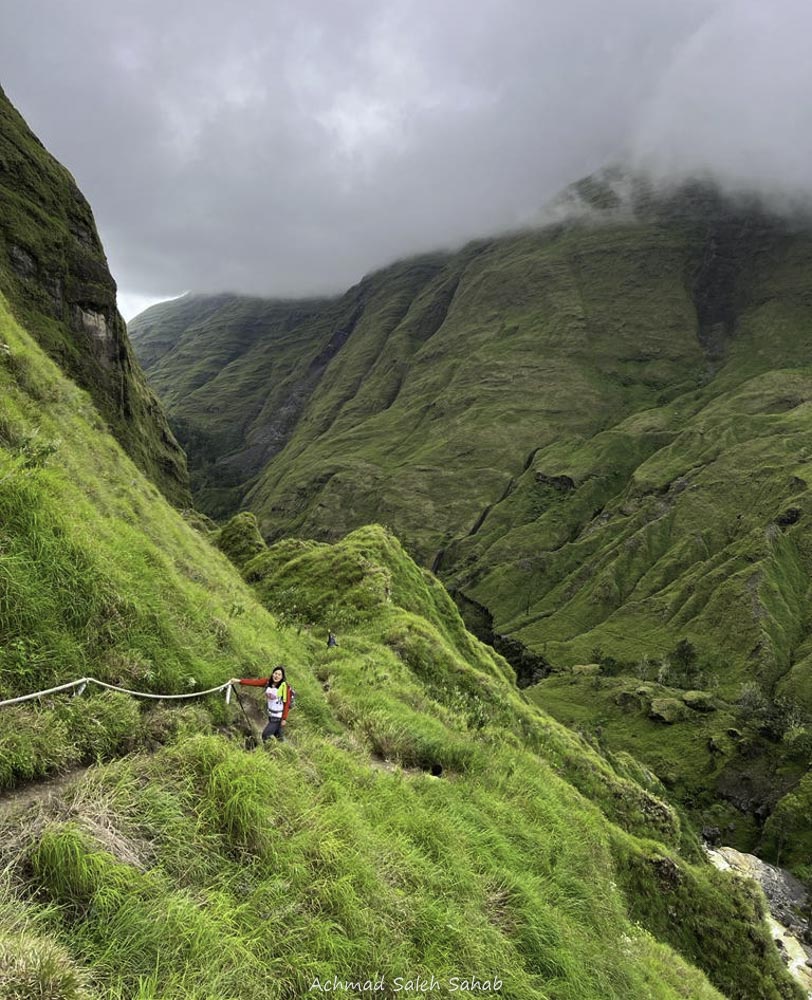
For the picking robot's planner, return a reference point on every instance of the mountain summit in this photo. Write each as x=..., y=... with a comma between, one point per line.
x=572, y=425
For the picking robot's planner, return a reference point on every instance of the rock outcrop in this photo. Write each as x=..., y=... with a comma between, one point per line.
x=789, y=905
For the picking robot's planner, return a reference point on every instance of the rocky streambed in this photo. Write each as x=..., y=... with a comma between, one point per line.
x=789, y=904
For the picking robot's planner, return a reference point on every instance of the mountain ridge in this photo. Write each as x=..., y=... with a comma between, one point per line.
x=181, y=866
x=602, y=448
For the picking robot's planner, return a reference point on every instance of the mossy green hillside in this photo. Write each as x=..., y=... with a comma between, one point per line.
x=239, y=374
x=202, y=871
x=385, y=598
x=706, y=541
x=98, y=576
x=54, y=273
x=444, y=374
x=397, y=626
x=598, y=435
x=208, y=338
x=593, y=432
x=239, y=538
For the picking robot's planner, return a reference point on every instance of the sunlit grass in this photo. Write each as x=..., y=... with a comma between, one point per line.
x=201, y=871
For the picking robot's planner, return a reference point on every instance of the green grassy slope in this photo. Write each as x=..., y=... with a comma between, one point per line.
x=597, y=435
x=54, y=274
x=201, y=871
x=455, y=371
x=239, y=375
x=491, y=404
x=685, y=518
x=684, y=521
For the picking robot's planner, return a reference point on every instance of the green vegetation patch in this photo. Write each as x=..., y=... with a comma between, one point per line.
x=202, y=871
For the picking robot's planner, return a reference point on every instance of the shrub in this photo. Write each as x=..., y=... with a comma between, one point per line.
x=32, y=967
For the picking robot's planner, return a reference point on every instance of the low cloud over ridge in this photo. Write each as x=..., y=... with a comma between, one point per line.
x=286, y=149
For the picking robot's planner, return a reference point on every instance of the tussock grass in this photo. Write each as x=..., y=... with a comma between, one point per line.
x=203, y=871
x=32, y=962
x=36, y=742
x=36, y=967
x=324, y=867
x=359, y=871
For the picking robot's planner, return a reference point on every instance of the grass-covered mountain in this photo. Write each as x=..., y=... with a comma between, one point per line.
x=597, y=433
x=54, y=275
x=169, y=863
x=194, y=869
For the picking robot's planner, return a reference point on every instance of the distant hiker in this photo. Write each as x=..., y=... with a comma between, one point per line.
x=278, y=698
x=331, y=640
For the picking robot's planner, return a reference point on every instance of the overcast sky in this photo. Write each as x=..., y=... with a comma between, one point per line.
x=285, y=148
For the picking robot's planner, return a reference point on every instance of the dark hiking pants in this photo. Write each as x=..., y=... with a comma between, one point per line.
x=274, y=728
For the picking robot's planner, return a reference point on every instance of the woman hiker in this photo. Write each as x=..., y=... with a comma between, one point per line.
x=277, y=696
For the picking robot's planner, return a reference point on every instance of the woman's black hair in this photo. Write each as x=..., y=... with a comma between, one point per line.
x=273, y=671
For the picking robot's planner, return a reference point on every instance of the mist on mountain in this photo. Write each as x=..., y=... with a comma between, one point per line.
x=288, y=150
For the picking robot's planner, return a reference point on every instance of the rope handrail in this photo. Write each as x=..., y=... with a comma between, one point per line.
x=84, y=681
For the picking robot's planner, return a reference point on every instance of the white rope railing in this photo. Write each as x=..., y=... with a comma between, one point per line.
x=84, y=681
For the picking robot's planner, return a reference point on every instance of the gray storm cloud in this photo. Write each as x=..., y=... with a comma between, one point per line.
x=288, y=148
x=736, y=101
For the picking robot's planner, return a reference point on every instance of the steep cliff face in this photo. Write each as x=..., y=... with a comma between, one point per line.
x=54, y=273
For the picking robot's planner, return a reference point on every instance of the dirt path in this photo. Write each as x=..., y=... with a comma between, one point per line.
x=43, y=791
x=55, y=790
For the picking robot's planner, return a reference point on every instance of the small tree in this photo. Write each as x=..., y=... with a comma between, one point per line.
x=641, y=668
x=684, y=658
